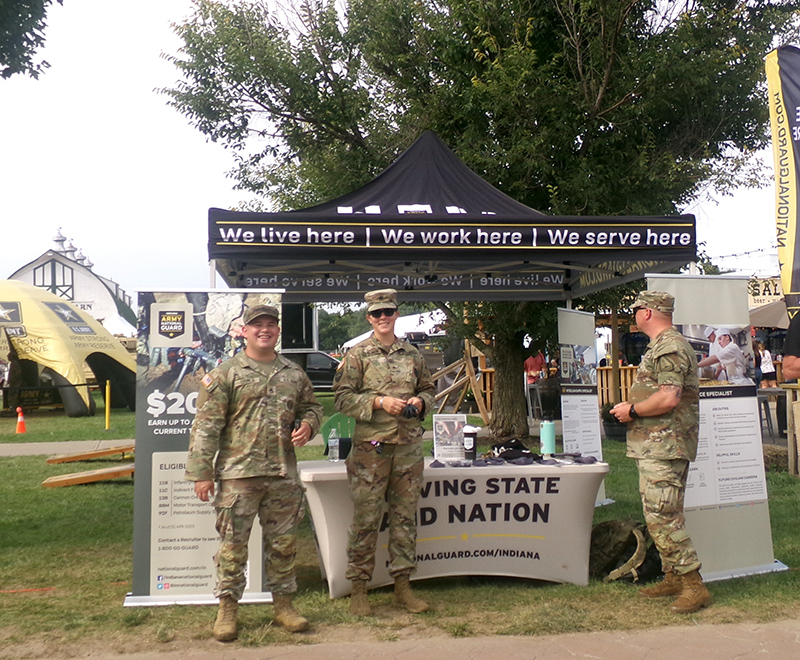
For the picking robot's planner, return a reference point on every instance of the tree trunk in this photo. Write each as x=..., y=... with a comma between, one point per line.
x=509, y=409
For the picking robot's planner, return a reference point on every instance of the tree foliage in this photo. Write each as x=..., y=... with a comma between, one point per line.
x=22, y=25
x=569, y=106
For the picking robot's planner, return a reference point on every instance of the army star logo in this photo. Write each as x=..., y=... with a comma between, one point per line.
x=10, y=312
x=67, y=314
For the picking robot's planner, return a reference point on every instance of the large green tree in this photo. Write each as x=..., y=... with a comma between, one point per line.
x=571, y=107
x=22, y=24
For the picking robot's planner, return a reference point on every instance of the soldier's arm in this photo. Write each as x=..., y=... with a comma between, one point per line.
x=660, y=402
x=791, y=367
x=350, y=398
x=309, y=413
x=206, y=431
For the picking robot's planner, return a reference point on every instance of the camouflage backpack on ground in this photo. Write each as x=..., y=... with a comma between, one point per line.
x=623, y=550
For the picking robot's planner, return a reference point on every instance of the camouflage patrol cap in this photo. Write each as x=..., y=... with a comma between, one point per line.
x=260, y=310
x=657, y=300
x=381, y=299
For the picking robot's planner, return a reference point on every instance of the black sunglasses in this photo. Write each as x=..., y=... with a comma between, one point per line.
x=377, y=313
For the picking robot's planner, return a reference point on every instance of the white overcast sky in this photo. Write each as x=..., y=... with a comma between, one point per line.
x=91, y=148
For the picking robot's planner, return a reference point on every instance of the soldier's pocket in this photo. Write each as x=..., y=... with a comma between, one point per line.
x=225, y=505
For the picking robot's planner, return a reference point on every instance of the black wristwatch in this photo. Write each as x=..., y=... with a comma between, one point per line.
x=632, y=412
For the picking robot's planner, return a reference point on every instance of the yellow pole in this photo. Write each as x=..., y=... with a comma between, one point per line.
x=108, y=405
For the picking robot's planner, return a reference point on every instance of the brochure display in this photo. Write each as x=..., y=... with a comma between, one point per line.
x=182, y=336
x=448, y=437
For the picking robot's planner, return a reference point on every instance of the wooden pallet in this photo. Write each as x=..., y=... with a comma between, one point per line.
x=94, y=453
x=90, y=476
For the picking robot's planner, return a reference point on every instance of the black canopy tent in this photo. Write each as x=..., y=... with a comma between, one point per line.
x=429, y=226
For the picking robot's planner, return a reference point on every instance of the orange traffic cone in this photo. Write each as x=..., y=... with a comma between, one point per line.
x=20, y=421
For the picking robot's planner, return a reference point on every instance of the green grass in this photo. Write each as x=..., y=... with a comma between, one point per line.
x=65, y=568
x=52, y=425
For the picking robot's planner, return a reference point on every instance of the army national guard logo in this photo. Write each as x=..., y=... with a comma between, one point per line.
x=71, y=318
x=171, y=323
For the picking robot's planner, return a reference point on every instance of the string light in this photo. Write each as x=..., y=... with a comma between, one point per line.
x=744, y=254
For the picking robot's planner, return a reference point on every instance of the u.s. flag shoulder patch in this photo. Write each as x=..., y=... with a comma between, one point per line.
x=207, y=380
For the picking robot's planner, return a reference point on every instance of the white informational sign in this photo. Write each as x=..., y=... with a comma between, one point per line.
x=580, y=421
x=184, y=540
x=730, y=462
x=531, y=521
x=727, y=512
x=448, y=437
x=580, y=415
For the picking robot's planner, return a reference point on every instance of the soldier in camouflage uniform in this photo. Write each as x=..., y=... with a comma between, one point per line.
x=663, y=418
x=253, y=411
x=376, y=382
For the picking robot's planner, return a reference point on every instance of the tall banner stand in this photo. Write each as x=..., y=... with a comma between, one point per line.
x=580, y=417
x=182, y=336
x=727, y=512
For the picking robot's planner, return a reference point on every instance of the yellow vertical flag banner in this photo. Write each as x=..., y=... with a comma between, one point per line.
x=783, y=80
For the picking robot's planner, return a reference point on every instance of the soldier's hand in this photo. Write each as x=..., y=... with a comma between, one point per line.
x=393, y=405
x=622, y=412
x=204, y=490
x=301, y=435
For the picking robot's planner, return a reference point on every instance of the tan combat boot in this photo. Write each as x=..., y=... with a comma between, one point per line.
x=359, y=605
x=403, y=596
x=285, y=614
x=671, y=585
x=693, y=596
x=225, y=625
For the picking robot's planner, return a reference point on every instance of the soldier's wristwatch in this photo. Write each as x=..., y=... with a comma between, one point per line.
x=632, y=412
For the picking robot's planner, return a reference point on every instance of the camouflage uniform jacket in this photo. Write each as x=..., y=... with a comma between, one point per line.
x=247, y=419
x=669, y=360
x=369, y=370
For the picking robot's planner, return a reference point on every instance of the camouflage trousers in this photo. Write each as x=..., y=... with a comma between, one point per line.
x=278, y=502
x=393, y=476
x=662, y=486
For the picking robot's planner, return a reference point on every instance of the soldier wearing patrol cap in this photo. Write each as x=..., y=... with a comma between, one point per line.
x=386, y=386
x=663, y=422
x=253, y=410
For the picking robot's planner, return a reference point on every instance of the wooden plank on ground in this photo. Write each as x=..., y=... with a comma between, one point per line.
x=90, y=476
x=93, y=453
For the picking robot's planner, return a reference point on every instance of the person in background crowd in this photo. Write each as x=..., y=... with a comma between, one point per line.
x=386, y=386
x=534, y=366
x=769, y=377
x=252, y=412
x=757, y=375
x=663, y=425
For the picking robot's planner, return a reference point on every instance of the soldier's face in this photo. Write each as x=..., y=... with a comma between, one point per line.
x=383, y=324
x=262, y=333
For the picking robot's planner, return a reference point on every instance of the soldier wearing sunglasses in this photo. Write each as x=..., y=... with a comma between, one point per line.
x=384, y=383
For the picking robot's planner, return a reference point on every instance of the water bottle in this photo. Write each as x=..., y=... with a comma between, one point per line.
x=547, y=437
x=333, y=446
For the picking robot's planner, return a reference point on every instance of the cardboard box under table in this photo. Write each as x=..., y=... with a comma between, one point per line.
x=528, y=521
